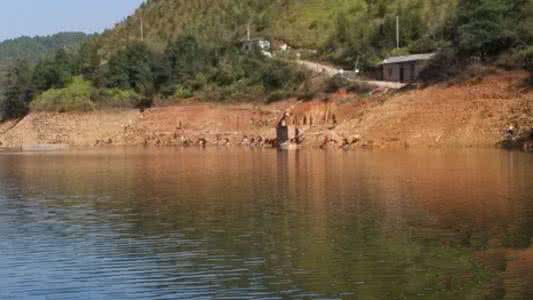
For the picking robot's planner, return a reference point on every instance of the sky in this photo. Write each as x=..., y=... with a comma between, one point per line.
x=45, y=17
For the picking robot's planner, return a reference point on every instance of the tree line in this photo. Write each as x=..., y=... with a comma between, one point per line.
x=185, y=68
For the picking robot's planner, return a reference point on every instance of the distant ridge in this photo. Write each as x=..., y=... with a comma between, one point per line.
x=35, y=48
x=301, y=24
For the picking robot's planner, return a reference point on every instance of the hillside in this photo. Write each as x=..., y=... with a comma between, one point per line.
x=302, y=24
x=33, y=49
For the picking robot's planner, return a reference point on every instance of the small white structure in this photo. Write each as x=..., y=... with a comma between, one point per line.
x=256, y=44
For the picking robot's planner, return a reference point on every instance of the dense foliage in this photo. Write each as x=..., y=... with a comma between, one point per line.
x=303, y=24
x=17, y=91
x=29, y=51
x=485, y=31
x=32, y=49
x=188, y=67
x=140, y=74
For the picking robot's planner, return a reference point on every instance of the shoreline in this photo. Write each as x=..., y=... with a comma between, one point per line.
x=467, y=115
x=121, y=149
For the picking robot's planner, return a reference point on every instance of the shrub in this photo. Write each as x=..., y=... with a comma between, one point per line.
x=183, y=92
x=80, y=95
x=116, y=98
x=75, y=97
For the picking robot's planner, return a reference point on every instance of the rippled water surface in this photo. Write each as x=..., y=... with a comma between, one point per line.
x=241, y=224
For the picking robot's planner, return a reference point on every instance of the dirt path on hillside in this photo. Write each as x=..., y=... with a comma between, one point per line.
x=463, y=115
x=348, y=75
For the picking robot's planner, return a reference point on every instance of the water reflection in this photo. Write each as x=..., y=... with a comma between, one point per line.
x=174, y=223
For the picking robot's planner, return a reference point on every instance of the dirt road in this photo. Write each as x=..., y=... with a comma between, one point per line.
x=349, y=75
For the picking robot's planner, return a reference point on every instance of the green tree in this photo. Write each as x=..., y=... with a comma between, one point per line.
x=484, y=27
x=87, y=60
x=18, y=90
x=182, y=63
x=53, y=73
x=115, y=73
x=186, y=57
x=131, y=68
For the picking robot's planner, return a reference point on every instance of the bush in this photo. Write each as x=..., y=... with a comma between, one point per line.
x=116, y=98
x=183, y=92
x=80, y=95
x=75, y=97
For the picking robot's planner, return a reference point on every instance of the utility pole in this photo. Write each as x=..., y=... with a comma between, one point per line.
x=248, y=33
x=398, y=32
x=143, y=7
x=142, y=26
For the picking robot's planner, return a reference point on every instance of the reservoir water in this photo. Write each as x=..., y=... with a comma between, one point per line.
x=262, y=224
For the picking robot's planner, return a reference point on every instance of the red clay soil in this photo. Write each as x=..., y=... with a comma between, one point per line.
x=465, y=115
x=469, y=114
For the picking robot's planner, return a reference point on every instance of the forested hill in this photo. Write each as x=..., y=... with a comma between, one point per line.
x=35, y=48
x=313, y=24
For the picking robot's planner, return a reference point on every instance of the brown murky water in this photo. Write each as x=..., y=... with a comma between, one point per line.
x=242, y=224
